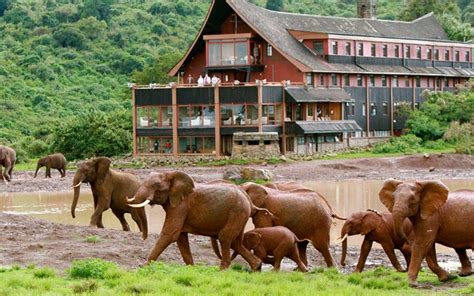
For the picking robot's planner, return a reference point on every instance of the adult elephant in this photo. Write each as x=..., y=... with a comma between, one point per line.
x=110, y=190
x=303, y=211
x=376, y=227
x=436, y=217
x=215, y=210
x=53, y=161
x=7, y=160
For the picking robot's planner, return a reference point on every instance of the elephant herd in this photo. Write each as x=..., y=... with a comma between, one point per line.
x=287, y=217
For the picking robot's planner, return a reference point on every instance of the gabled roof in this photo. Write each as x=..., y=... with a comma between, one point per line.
x=321, y=94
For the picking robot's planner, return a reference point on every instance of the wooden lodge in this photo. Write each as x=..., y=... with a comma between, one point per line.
x=321, y=83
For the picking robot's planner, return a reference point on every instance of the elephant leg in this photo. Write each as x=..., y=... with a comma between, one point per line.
x=96, y=218
x=99, y=222
x=254, y=262
x=432, y=262
x=302, y=250
x=322, y=245
x=137, y=219
x=183, y=245
x=388, y=247
x=63, y=172
x=171, y=231
x=418, y=253
x=466, y=267
x=406, y=251
x=121, y=216
x=276, y=266
x=48, y=172
x=295, y=256
x=364, y=253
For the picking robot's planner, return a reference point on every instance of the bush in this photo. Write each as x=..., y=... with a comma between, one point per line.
x=403, y=144
x=462, y=135
x=44, y=273
x=92, y=268
x=69, y=36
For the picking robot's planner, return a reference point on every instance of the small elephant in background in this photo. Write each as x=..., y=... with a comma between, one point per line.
x=378, y=227
x=7, y=160
x=272, y=244
x=53, y=161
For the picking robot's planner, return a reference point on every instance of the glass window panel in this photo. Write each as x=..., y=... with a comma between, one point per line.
x=241, y=53
x=238, y=112
x=167, y=116
x=228, y=57
x=252, y=115
x=168, y=145
x=142, y=114
x=183, y=144
x=209, y=145
x=299, y=112
x=154, y=116
x=318, y=47
x=214, y=54
x=289, y=112
x=196, y=116
x=208, y=116
x=278, y=114
x=268, y=114
x=183, y=116
x=143, y=145
x=360, y=49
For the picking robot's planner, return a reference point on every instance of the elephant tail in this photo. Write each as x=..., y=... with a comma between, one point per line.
x=333, y=215
x=215, y=247
x=337, y=217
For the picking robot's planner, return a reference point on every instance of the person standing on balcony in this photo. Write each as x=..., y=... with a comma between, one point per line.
x=190, y=79
x=200, y=81
x=207, y=80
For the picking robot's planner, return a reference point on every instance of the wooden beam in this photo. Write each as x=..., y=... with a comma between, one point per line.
x=391, y=106
x=228, y=36
x=217, y=120
x=367, y=107
x=174, y=103
x=134, y=114
x=283, y=146
x=260, y=106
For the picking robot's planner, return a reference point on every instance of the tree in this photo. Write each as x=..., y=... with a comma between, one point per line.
x=97, y=8
x=276, y=5
x=4, y=4
x=69, y=36
x=157, y=72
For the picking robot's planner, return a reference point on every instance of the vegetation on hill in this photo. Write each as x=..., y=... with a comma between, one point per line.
x=60, y=59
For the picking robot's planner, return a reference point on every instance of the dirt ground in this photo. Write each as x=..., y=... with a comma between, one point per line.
x=25, y=240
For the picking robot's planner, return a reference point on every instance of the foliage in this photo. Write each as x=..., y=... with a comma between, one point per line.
x=158, y=71
x=276, y=5
x=403, y=144
x=44, y=273
x=92, y=268
x=93, y=239
x=462, y=135
x=94, y=133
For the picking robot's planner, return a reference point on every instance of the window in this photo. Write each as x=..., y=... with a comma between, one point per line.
x=385, y=50
x=407, y=52
x=395, y=81
x=428, y=81
x=446, y=82
x=334, y=47
x=372, y=80
x=203, y=145
x=447, y=55
x=428, y=54
x=162, y=145
x=360, y=49
x=269, y=50
x=363, y=109
x=396, y=51
x=299, y=112
x=251, y=116
x=466, y=56
x=373, y=109
x=407, y=81
x=417, y=81
x=348, y=48
x=289, y=112
x=310, y=110
x=347, y=81
x=438, y=82
x=384, y=80
x=321, y=79
x=351, y=109
x=436, y=54
x=385, y=108
x=195, y=116
x=271, y=114
x=309, y=79
x=223, y=52
x=233, y=115
x=154, y=116
x=359, y=80
x=418, y=52
x=318, y=47
x=334, y=79
x=456, y=55
x=373, y=50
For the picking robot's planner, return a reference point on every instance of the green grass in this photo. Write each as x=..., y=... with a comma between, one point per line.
x=93, y=239
x=98, y=277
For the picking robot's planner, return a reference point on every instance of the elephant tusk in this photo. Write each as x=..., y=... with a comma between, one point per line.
x=341, y=239
x=129, y=200
x=5, y=181
x=77, y=185
x=140, y=205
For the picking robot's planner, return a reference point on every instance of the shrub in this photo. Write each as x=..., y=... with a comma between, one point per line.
x=69, y=36
x=462, y=135
x=89, y=286
x=44, y=273
x=403, y=144
x=92, y=268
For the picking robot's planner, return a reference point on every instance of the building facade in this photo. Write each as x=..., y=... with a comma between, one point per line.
x=321, y=83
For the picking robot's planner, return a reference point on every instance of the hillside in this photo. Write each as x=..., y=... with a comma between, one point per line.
x=61, y=58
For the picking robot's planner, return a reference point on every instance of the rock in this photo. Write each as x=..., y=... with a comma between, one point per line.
x=256, y=174
x=426, y=155
x=283, y=158
x=232, y=173
x=432, y=169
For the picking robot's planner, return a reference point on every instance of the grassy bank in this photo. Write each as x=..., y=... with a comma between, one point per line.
x=97, y=277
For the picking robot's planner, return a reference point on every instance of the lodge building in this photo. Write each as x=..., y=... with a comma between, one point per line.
x=319, y=82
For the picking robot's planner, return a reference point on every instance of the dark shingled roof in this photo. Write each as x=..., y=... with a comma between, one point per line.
x=326, y=127
x=311, y=94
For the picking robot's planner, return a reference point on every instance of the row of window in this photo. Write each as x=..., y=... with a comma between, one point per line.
x=398, y=107
x=430, y=53
x=204, y=115
x=186, y=145
x=346, y=81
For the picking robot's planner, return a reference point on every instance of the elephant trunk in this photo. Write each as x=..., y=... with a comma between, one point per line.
x=143, y=222
x=37, y=169
x=77, y=189
x=398, y=218
x=344, y=235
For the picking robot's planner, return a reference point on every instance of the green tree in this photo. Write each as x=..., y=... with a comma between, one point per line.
x=276, y=5
x=158, y=71
x=69, y=36
x=97, y=8
x=4, y=6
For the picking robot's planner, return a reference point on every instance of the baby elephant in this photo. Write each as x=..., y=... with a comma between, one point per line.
x=52, y=161
x=378, y=227
x=277, y=241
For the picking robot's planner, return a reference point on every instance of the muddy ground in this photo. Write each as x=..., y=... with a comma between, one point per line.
x=25, y=240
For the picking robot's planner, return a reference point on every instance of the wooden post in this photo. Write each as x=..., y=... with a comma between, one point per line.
x=413, y=98
x=260, y=105
x=134, y=114
x=174, y=102
x=391, y=107
x=367, y=107
x=217, y=119
x=283, y=145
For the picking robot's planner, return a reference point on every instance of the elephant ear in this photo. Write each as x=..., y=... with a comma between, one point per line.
x=102, y=165
x=433, y=196
x=258, y=193
x=369, y=223
x=252, y=239
x=386, y=193
x=181, y=185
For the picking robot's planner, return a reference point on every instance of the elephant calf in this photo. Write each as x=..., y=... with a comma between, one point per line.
x=7, y=160
x=53, y=161
x=378, y=227
x=277, y=242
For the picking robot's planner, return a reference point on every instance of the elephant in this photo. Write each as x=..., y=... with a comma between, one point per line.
x=378, y=227
x=303, y=211
x=110, y=190
x=219, y=211
x=52, y=161
x=438, y=216
x=277, y=241
x=7, y=160
x=286, y=186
